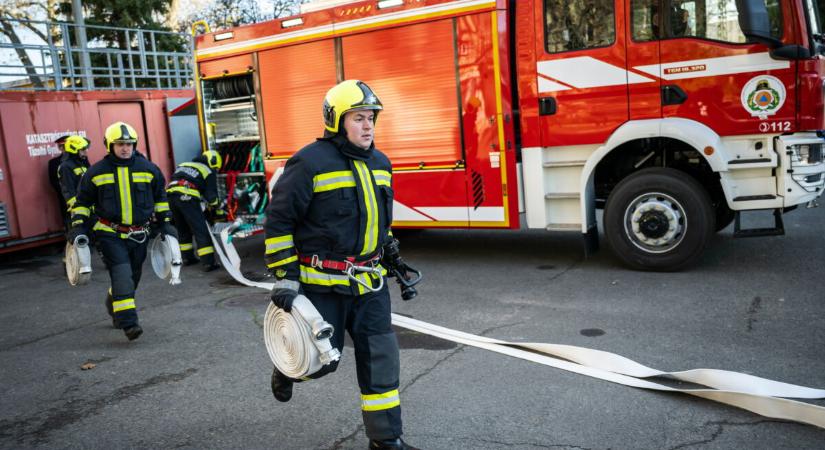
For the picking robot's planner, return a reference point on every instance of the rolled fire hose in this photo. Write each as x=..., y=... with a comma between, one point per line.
x=78, y=261
x=758, y=395
x=164, y=253
x=298, y=341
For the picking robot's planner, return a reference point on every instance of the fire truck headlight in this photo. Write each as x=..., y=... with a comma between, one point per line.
x=807, y=154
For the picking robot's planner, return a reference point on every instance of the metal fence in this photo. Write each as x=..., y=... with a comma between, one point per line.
x=49, y=56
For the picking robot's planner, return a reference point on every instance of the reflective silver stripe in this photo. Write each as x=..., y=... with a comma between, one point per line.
x=200, y=167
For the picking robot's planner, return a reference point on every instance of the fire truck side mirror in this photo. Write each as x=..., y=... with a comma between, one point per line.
x=753, y=20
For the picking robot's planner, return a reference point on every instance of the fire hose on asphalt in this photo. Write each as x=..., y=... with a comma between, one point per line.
x=762, y=396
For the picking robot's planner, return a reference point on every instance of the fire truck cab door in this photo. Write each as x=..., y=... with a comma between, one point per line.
x=711, y=75
x=581, y=70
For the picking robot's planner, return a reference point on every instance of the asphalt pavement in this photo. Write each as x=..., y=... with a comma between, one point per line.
x=199, y=376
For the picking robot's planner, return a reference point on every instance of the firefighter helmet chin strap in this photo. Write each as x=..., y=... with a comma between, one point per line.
x=298, y=341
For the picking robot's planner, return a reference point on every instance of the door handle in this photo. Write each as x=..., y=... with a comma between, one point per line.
x=547, y=106
x=673, y=95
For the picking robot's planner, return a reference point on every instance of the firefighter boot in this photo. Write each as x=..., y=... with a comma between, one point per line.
x=133, y=332
x=391, y=444
x=211, y=267
x=281, y=386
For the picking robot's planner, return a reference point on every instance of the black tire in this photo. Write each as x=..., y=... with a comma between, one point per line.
x=724, y=215
x=673, y=220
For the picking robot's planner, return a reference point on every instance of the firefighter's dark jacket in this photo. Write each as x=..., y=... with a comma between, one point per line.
x=333, y=200
x=125, y=192
x=201, y=176
x=71, y=169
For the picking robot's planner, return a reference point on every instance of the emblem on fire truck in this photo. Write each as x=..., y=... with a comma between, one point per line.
x=762, y=96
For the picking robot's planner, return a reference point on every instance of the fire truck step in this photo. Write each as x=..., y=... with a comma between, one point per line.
x=777, y=230
x=563, y=226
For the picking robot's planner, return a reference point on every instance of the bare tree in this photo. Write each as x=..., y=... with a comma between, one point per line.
x=19, y=12
x=231, y=13
x=281, y=8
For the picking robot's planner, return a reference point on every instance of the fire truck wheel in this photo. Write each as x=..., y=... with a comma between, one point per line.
x=659, y=219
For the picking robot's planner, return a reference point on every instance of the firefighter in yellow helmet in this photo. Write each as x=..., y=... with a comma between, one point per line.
x=330, y=210
x=192, y=183
x=127, y=192
x=73, y=164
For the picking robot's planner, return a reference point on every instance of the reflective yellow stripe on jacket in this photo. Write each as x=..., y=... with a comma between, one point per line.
x=184, y=190
x=332, y=180
x=79, y=170
x=125, y=189
x=277, y=244
x=371, y=207
x=382, y=178
x=310, y=275
x=106, y=178
x=142, y=177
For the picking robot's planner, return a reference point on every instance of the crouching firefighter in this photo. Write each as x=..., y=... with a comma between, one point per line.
x=192, y=182
x=327, y=221
x=125, y=191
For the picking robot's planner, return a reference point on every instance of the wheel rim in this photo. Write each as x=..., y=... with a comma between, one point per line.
x=655, y=222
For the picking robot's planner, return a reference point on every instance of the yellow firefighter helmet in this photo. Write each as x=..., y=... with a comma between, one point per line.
x=119, y=132
x=213, y=159
x=75, y=144
x=346, y=96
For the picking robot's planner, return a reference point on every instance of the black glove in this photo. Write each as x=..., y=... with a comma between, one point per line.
x=169, y=230
x=284, y=292
x=391, y=259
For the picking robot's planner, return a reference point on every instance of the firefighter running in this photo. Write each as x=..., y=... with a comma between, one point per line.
x=125, y=191
x=192, y=183
x=73, y=164
x=327, y=222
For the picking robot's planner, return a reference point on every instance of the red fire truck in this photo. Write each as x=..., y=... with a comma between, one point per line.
x=671, y=115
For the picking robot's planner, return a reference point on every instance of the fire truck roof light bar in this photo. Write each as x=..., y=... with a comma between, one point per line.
x=389, y=3
x=292, y=22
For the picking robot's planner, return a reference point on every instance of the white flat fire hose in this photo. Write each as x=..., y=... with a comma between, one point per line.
x=298, y=341
x=78, y=261
x=164, y=254
x=759, y=395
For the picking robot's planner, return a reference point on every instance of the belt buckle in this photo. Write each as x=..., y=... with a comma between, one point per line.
x=316, y=262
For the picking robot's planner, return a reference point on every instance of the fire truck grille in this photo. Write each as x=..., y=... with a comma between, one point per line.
x=4, y=221
x=478, y=189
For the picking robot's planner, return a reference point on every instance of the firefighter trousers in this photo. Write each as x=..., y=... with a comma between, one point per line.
x=368, y=321
x=190, y=220
x=124, y=261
